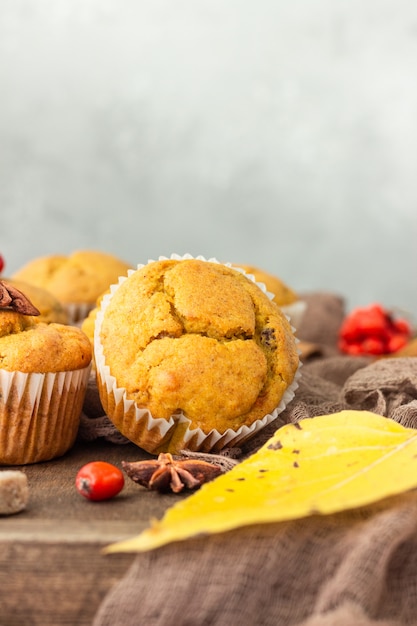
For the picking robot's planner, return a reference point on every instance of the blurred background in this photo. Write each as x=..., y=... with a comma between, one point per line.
x=281, y=134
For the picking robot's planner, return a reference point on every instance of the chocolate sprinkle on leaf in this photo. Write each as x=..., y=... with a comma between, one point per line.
x=276, y=445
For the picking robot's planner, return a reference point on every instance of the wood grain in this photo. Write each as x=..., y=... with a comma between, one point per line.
x=52, y=569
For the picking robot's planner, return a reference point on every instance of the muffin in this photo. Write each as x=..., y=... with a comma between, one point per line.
x=76, y=280
x=44, y=370
x=192, y=354
x=50, y=308
x=88, y=323
x=283, y=295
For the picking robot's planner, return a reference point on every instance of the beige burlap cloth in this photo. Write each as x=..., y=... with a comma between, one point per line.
x=356, y=568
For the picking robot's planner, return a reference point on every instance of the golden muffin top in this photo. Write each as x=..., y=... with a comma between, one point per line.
x=27, y=345
x=30, y=346
x=201, y=338
x=77, y=278
x=283, y=294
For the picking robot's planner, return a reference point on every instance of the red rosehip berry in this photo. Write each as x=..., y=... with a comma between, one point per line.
x=373, y=331
x=373, y=345
x=99, y=480
x=395, y=343
x=402, y=326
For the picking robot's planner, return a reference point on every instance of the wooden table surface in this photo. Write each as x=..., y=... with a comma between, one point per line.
x=52, y=569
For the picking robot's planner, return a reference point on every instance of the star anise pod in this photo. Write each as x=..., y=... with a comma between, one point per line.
x=169, y=474
x=14, y=300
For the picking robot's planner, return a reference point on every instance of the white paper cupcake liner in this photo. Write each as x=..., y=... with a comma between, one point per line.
x=176, y=433
x=39, y=414
x=77, y=312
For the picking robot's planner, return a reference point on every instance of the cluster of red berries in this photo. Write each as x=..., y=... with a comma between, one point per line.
x=372, y=330
x=1, y=263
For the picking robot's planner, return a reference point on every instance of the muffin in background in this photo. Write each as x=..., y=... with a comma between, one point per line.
x=76, y=280
x=89, y=322
x=283, y=295
x=50, y=308
x=44, y=371
x=192, y=354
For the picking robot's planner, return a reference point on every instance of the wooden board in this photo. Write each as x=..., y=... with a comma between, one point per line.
x=52, y=569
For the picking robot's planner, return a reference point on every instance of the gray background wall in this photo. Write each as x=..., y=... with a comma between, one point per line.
x=282, y=134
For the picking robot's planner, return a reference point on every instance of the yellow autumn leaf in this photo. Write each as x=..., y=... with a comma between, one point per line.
x=321, y=465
